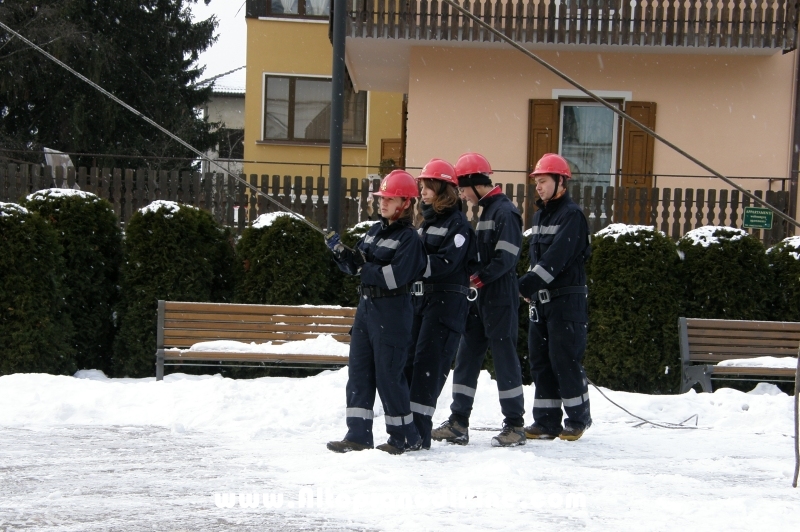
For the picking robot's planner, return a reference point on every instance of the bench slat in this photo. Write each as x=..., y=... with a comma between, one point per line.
x=181, y=337
x=745, y=335
x=722, y=343
x=171, y=327
x=740, y=325
x=233, y=308
x=745, y=351
x=310, y=358
x=256, y=318
x=766, y=372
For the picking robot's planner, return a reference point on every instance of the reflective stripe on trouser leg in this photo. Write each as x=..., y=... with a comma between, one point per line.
x=360, y=387
x=469, y=360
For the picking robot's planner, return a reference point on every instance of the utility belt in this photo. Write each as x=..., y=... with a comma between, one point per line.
x=377, y=291
x=545, y=295
x=419, y=288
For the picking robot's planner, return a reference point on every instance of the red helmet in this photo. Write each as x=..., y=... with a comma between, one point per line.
x=398, y=184
x=472, y=163
x=550, y=163
x=439, y=169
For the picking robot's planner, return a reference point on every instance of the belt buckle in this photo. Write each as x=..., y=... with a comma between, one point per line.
x=544, y=295
x=417, y=288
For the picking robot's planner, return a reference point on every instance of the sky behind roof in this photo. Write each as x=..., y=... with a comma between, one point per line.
x=231, y=47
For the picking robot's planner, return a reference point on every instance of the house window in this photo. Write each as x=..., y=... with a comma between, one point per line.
x=588, y=140
x=298, y=8
x=299, y=109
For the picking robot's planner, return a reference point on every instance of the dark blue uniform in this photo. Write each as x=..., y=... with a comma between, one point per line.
x=492, y=319
x=381, y=333
x=559, y=247
x=440, y=311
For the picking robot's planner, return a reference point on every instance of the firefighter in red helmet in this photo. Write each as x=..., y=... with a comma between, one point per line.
x=555, y=287
x=388, y=259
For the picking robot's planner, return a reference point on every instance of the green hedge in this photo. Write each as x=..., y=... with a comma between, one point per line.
x=92, y=248
x=35, y=329
x=282, y=262
x=725, y=275
x=784, y=261
x=172, y=252
x=634, y=301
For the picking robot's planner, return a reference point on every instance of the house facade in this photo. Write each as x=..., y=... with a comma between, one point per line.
x=287, y=109
x=226, y=108
x=716, y=78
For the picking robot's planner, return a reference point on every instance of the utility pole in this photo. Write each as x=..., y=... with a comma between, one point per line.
x=338, y=17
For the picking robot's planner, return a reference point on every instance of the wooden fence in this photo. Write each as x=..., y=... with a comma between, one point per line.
x=686, y=23
x=673, y=211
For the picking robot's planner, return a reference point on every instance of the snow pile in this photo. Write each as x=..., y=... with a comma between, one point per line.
x=324, y=344
x=171, y=207
x=11, y=209
x=266, y=220
x=713, y=234
x=617, y=230
x=761, y=362
x=51, y=193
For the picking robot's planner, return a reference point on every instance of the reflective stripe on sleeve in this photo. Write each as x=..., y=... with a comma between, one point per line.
x=359, y=412
x=541, y=272
x=464, y=390
x=507, y=246
x=438, y=231
x=428, y=269
x=576, y=401
x=388, y=275
x=488, y=225
x=547, y=403
x=368, y=239
x=545, y=230
x=387, y=243
x=397, y=421
x=513, y=392
x=422, y=409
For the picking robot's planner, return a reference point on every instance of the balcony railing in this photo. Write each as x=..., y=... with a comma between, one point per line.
x=746, y=24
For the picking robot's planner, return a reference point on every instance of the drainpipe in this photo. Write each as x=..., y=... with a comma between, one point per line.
x=795, y=167
x=338, y=14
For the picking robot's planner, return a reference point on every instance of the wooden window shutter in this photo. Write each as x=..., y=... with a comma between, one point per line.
x=637, y=146
x=543, y=136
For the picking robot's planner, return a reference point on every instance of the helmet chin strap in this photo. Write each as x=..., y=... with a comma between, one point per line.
x=555, y=190
x=399, y=211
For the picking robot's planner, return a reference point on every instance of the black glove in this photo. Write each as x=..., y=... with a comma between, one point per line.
x=359, y=258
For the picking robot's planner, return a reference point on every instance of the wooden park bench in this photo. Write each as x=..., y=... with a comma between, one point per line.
x=705, y=343
x=182, y=325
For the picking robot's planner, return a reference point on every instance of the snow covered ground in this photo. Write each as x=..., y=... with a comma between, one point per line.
x=133, y=454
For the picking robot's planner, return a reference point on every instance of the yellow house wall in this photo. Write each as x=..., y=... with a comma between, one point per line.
x=733, y=112
x=303, y=48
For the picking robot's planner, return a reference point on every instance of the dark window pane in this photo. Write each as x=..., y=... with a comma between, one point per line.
x=276, y=121
x=284, y=7
x=355, y=116
x=312, y=109
x=318, y=8
x=231, y=143
x=587, y=142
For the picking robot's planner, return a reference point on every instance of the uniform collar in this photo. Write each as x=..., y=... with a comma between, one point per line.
x=552, y=204
x=495, y=192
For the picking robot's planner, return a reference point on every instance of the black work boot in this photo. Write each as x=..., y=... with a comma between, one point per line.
x=509, y=437
x=538, y=432
x=345, y=446
x=451, y=431
x=573, y=431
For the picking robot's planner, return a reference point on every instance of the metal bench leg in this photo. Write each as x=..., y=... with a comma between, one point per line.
x=696, y=375
x=160, y=365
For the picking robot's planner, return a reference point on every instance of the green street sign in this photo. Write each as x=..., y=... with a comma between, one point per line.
x=757, y=218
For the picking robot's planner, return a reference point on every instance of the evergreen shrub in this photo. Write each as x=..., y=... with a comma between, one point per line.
x=35, y=329
x=634, y=301
x=282, y=262
x=725, y=275
x=784, y=261
x=172, y=252
x=91, y=240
